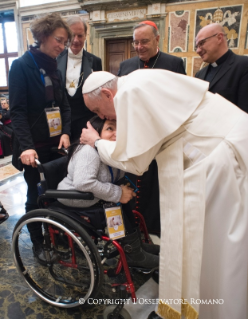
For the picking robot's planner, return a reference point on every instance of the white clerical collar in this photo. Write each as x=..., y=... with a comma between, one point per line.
x=214, y=64
x=75, y=56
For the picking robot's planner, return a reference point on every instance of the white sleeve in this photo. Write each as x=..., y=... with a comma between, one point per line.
x=136, y=165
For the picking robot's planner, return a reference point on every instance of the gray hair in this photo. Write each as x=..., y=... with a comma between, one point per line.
x=137, y=26
x=76, y=19
x=111, y=85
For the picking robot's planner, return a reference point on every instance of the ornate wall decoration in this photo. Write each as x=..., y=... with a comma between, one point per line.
x=178, y=31
x=228, y=17
x=126, y=15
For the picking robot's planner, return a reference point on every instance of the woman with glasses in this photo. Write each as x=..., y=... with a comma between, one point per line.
x=37, y=98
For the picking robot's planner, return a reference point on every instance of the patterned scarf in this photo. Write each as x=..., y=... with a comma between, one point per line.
x=47, y=67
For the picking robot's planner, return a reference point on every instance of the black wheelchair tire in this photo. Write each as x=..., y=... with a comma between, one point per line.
x=50, y=216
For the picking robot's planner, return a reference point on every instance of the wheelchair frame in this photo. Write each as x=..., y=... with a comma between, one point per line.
x=68, y=235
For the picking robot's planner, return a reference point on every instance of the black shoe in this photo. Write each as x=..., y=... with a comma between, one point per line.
x=149, y=248
x=135, y=254
x=153, y=315
x=44, y=257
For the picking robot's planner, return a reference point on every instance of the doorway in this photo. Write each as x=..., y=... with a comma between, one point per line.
x=118, y=50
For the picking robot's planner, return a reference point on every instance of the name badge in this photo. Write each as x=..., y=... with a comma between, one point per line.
x=114, y=219
x=54, y=121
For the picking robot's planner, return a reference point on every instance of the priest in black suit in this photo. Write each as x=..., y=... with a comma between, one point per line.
x=76, y=64
x=145, y=42
x=227, y=72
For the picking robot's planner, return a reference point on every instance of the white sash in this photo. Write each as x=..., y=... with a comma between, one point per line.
x=182, y=209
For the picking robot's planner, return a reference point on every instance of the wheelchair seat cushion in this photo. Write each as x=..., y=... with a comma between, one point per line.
x=94, y=215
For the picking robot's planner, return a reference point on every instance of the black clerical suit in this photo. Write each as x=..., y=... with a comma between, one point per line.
x=80, y=114
x=229, y=78
x=160, y=61
x=147, y=200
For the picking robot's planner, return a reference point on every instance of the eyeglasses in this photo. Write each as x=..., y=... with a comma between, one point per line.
x=141, y=42
x=60, y=41
x=202, y=42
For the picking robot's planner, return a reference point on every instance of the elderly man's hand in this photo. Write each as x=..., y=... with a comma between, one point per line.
x=89, y=135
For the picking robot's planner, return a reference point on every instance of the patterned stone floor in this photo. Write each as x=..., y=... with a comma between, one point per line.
x=17, y=301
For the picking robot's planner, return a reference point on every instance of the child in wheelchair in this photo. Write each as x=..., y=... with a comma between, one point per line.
x=86, y=173
x=68, y=267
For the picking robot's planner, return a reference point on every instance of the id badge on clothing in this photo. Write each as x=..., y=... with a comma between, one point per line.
x=114, y=221
x=54, y=121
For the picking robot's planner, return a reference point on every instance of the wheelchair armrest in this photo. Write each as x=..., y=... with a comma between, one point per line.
x=70, y=194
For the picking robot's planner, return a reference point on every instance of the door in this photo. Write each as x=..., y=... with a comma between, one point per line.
x=118, y=50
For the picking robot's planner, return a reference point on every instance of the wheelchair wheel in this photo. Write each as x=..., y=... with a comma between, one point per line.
x=77, y=272
x=108, y=313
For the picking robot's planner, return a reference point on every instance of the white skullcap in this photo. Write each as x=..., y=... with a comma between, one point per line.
x=95, y=80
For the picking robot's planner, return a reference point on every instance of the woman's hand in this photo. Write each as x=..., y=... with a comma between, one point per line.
x=127, y=194
x=64, y=141
x=28, y=157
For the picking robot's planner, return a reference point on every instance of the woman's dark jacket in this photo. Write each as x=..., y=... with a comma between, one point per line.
x=27, y=102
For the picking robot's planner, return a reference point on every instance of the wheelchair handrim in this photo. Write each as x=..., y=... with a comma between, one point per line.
x=55, y=223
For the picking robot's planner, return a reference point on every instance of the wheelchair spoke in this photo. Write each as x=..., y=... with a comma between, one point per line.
x=64, y=278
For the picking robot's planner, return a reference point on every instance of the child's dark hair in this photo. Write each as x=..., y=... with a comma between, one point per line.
x=97, y=124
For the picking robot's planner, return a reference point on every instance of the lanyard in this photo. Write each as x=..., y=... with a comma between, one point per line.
x=41, y=74
x=112, y=175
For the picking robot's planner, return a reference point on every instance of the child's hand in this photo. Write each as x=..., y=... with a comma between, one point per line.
x=127, y=194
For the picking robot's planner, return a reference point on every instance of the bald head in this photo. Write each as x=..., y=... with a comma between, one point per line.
x=211, y=29
x=211, y=42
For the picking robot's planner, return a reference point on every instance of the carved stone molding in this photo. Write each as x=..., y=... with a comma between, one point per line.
x=95, y=5
x=68, y=7
x=5, y=5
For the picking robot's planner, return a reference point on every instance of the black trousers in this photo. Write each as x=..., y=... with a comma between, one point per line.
x=32, y=178
x=147, y=200
x=129, y=219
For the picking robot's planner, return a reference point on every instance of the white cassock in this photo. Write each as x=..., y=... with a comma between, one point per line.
x=200, y=143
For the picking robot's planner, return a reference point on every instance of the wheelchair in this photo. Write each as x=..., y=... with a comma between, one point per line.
x=77, y=239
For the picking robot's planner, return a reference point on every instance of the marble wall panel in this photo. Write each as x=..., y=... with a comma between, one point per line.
x=178, y=31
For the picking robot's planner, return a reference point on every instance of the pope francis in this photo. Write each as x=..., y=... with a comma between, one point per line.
x=200, y=143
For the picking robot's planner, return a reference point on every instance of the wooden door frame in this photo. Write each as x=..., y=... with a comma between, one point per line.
x=99, y=33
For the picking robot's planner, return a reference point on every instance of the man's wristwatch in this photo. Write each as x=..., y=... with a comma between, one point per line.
x=96, y=142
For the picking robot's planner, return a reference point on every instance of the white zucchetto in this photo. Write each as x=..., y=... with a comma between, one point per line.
x=95, y=80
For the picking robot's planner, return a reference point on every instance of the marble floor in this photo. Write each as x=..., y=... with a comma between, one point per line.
x=17, y=301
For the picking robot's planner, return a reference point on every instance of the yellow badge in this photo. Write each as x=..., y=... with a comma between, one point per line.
x=115, y=223
x=54, y=121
